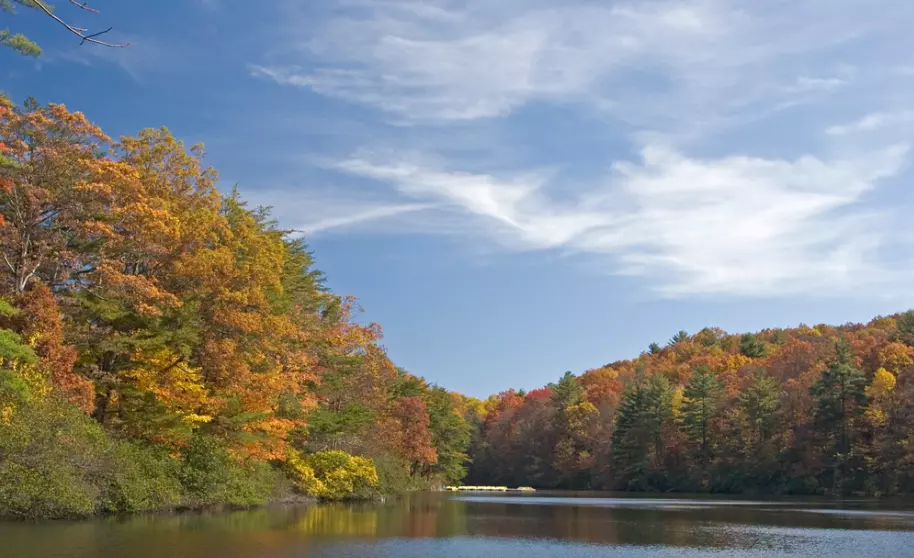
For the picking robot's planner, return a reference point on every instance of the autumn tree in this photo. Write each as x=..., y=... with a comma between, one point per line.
x=414, y=439
x=779, y=410
x=892, y=448
x=49, y=195
x=40, y=322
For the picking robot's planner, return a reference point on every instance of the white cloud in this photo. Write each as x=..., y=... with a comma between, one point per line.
x=351, y=218
x=872, y=121
x=774, y=208
x=486, y=59
x=651, y=60
x=515, y=205
x=312, y=212
x=805, y=83
x=737, y=225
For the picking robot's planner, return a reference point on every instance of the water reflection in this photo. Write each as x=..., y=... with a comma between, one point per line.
x=435, y=523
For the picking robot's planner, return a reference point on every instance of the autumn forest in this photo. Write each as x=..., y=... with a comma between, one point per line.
x=163, y=346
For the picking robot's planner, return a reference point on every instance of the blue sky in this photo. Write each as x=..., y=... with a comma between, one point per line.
x=518, y=188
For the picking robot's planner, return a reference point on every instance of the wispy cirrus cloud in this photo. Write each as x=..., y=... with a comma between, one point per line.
x=733, y=189
x=453, y=61
x=351, y=218
x=735, y=225
x=871, y=122
x=442, y=61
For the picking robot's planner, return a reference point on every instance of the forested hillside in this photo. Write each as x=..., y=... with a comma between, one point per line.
x=164, y=345
x=807, y=410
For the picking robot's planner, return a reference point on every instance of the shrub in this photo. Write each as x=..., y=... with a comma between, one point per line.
x=50, y=454
x=210, y=476
x=333, y=475
x=55, y=462
x=140, y=479
x=394, y=476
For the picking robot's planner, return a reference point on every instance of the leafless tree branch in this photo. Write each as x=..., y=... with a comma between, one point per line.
x=9, y=264
x=79, y=32
x=84, y=6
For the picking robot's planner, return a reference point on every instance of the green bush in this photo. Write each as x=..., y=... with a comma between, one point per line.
x=394, y=477
x=140, y=479
x=253, y=484
x=50, y=456
x=55, y=462
x=45, y=492
x=210, y=477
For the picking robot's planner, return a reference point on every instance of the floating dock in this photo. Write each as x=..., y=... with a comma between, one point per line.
x=488, y=489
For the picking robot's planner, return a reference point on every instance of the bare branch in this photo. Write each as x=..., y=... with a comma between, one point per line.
x=9, y=264
x=28, y=276
x=79, y=32
x=89, y=37
x=84, y=6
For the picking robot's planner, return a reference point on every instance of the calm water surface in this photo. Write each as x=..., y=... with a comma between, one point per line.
x=468, y=525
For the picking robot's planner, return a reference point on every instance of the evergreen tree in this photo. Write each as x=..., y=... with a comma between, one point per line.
x=680, y=337
x=760, y=403
x=750, y=346
x=632, y=439
x=906, y=326
x=701, y=401
x=637, y=442
x=567, y=391
x=840, y=397
x=450, y=434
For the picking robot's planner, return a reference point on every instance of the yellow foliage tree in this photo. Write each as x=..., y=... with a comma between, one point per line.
x=332, y=474
x=878, y=391
x=896, y=356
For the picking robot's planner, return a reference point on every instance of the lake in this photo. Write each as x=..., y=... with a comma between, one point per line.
x=467, y=525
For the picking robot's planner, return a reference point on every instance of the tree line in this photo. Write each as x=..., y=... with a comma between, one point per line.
x=811, y=410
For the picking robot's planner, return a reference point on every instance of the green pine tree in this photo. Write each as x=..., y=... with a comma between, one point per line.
x=701, y=402
x=637, y=442
x=840, y=398
x=752, y=347
x=681, y=337
x=760, y=402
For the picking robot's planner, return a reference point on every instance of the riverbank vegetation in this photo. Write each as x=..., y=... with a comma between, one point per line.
x=163, y=345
